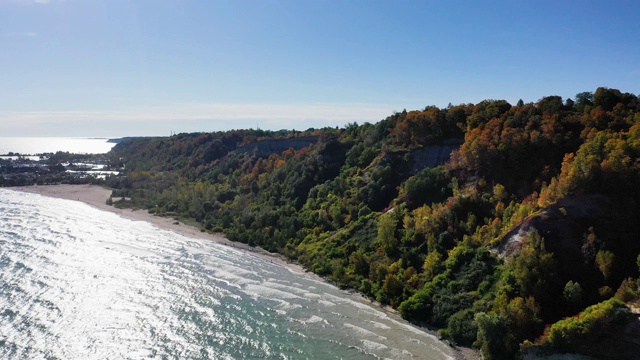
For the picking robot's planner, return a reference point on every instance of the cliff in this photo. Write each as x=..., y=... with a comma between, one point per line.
x=264, y=148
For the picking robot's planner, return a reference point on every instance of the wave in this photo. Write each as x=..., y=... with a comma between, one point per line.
x=80, y=283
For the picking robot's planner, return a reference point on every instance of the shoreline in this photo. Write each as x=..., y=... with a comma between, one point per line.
x=96, y=196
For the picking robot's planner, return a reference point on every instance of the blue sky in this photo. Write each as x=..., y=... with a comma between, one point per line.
x=149, y=67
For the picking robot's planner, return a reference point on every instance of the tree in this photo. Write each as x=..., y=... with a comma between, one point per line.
x=628, y=290
x=606, y=98
x=392, y=287
x=418, y=306
x=584, y=98
x=387, y=233
x=534, y=268
x=431, y=264
x=550, y=103
x=462, y=328
x=604, y=261
x=573, y=294
x=496, y=342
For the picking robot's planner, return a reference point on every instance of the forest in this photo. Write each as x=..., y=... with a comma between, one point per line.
x=510, y=228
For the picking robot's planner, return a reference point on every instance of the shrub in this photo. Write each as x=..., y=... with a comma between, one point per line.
x=587, y=325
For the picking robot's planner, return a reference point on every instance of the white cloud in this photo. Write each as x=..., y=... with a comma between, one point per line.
x=19, y=34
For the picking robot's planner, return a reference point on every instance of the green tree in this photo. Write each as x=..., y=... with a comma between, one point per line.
x=606, y=98
x=605, y=260
x=431, y=264
x=628, y=290
x=584, y=98
x=573, y=294
x=534, y=268
x=495, y=339
x=387, y=239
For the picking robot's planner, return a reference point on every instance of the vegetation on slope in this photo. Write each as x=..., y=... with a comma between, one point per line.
x=377, y=208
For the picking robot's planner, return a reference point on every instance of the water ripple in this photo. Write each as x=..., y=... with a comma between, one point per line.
x=78, y=283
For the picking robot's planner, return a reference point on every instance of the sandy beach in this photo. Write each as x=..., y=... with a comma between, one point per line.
x=97, y=196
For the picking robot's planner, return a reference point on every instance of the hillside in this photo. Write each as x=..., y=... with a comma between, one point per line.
x=485, y=220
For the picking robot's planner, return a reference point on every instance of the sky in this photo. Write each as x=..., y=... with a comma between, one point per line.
x=155, y=67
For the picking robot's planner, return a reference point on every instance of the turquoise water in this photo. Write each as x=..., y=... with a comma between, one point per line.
x=79, y=283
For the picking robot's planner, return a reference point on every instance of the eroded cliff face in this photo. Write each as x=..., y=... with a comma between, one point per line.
x=427, y=157
x=264, y=148
x=564, y=225
x=433, y=155
x=588, y=236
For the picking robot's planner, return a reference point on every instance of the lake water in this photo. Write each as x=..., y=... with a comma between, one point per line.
x=38, y=145
x=79, y=283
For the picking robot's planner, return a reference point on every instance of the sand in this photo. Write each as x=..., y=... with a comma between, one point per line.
x=97, y=196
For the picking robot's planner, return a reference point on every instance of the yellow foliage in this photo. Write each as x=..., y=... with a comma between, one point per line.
x=431, y=263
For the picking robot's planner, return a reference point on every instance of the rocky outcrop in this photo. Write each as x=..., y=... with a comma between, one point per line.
x=562, y=224
x=574, y=230
x=433, y=155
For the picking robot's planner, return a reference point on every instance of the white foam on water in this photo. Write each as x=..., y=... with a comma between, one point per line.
x=285, y=288
x=82, y=283
x=364, y=332
x=315, y=319
x=380, y=325
x=326, y=303
x=372, y=345
x=312, y=295
x=269, y=292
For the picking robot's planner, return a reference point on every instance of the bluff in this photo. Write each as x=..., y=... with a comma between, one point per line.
x=264, y=148
x=489, y=221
